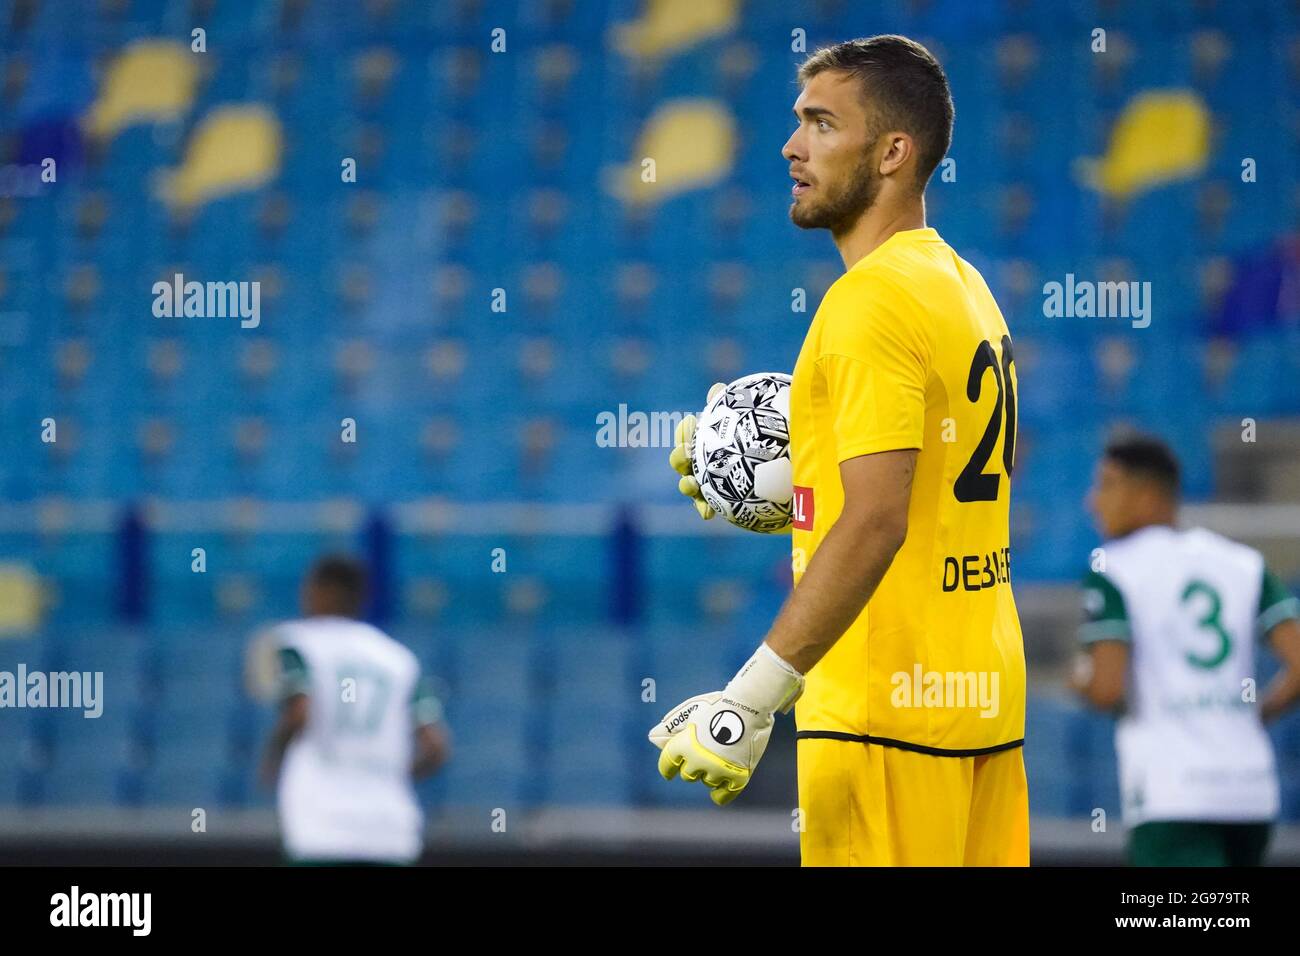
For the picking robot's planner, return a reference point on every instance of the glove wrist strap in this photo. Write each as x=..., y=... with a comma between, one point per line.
x=767, y=681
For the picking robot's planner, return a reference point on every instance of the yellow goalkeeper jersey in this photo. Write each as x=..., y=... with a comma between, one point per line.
x=909, y=350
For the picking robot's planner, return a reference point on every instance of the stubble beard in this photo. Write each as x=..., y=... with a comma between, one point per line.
x=840, y=211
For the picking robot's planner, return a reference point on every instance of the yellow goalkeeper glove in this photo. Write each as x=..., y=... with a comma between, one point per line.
x=684, y=451
x=720, y=737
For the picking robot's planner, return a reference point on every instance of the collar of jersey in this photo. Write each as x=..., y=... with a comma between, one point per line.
x=924, y=234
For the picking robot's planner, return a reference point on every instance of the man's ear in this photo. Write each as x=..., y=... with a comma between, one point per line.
x=899, y=147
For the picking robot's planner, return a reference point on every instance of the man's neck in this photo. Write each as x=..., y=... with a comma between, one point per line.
x=1161, y=521
x=877, y=224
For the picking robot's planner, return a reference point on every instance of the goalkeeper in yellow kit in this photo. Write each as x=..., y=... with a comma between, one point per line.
x=902, y=434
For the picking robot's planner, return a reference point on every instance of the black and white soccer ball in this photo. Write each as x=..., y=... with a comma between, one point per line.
x=741, y=457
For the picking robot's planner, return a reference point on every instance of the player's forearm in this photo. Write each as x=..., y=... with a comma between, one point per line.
x=1284, y=690
x=840, y=579
x=1281, y=695
x=274, y=755
x=285, y=730
x=433, y=747
x=1101, y=698
x=293, y=718
x=1099, y=676
x=426, y=765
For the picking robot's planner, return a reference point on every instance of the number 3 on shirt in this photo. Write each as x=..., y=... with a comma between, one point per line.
x=973, y=484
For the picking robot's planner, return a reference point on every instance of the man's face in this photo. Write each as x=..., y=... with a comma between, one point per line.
x=832, y=155
x=1114, y=499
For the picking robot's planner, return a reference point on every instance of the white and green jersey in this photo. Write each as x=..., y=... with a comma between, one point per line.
x=1191, y=604
x=345, y=789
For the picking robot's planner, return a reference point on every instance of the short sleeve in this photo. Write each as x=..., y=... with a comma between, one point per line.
x=1276, y=604
x=294, y=679
x=1105, y=617
x=875, y=362
x=426, y=708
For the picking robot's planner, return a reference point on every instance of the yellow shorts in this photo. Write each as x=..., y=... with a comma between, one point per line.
x=868, y=805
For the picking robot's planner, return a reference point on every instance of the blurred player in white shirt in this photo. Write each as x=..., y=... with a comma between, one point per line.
x=357, y=726
x=1173, y=619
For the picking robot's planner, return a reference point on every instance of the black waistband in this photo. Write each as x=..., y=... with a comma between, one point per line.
x=904, y=745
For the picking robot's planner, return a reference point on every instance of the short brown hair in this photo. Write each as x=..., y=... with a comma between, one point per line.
x=1146, y=456
x=343, y=580
x=907, y=84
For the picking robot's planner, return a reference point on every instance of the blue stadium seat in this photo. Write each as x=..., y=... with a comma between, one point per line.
x=188, y=783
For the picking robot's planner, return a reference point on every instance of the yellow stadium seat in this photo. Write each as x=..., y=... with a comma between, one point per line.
x=667, y=26
x=1162, y=136
x=687, y=144
x=149, y=81
x=20, y=599
x=235, y=148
